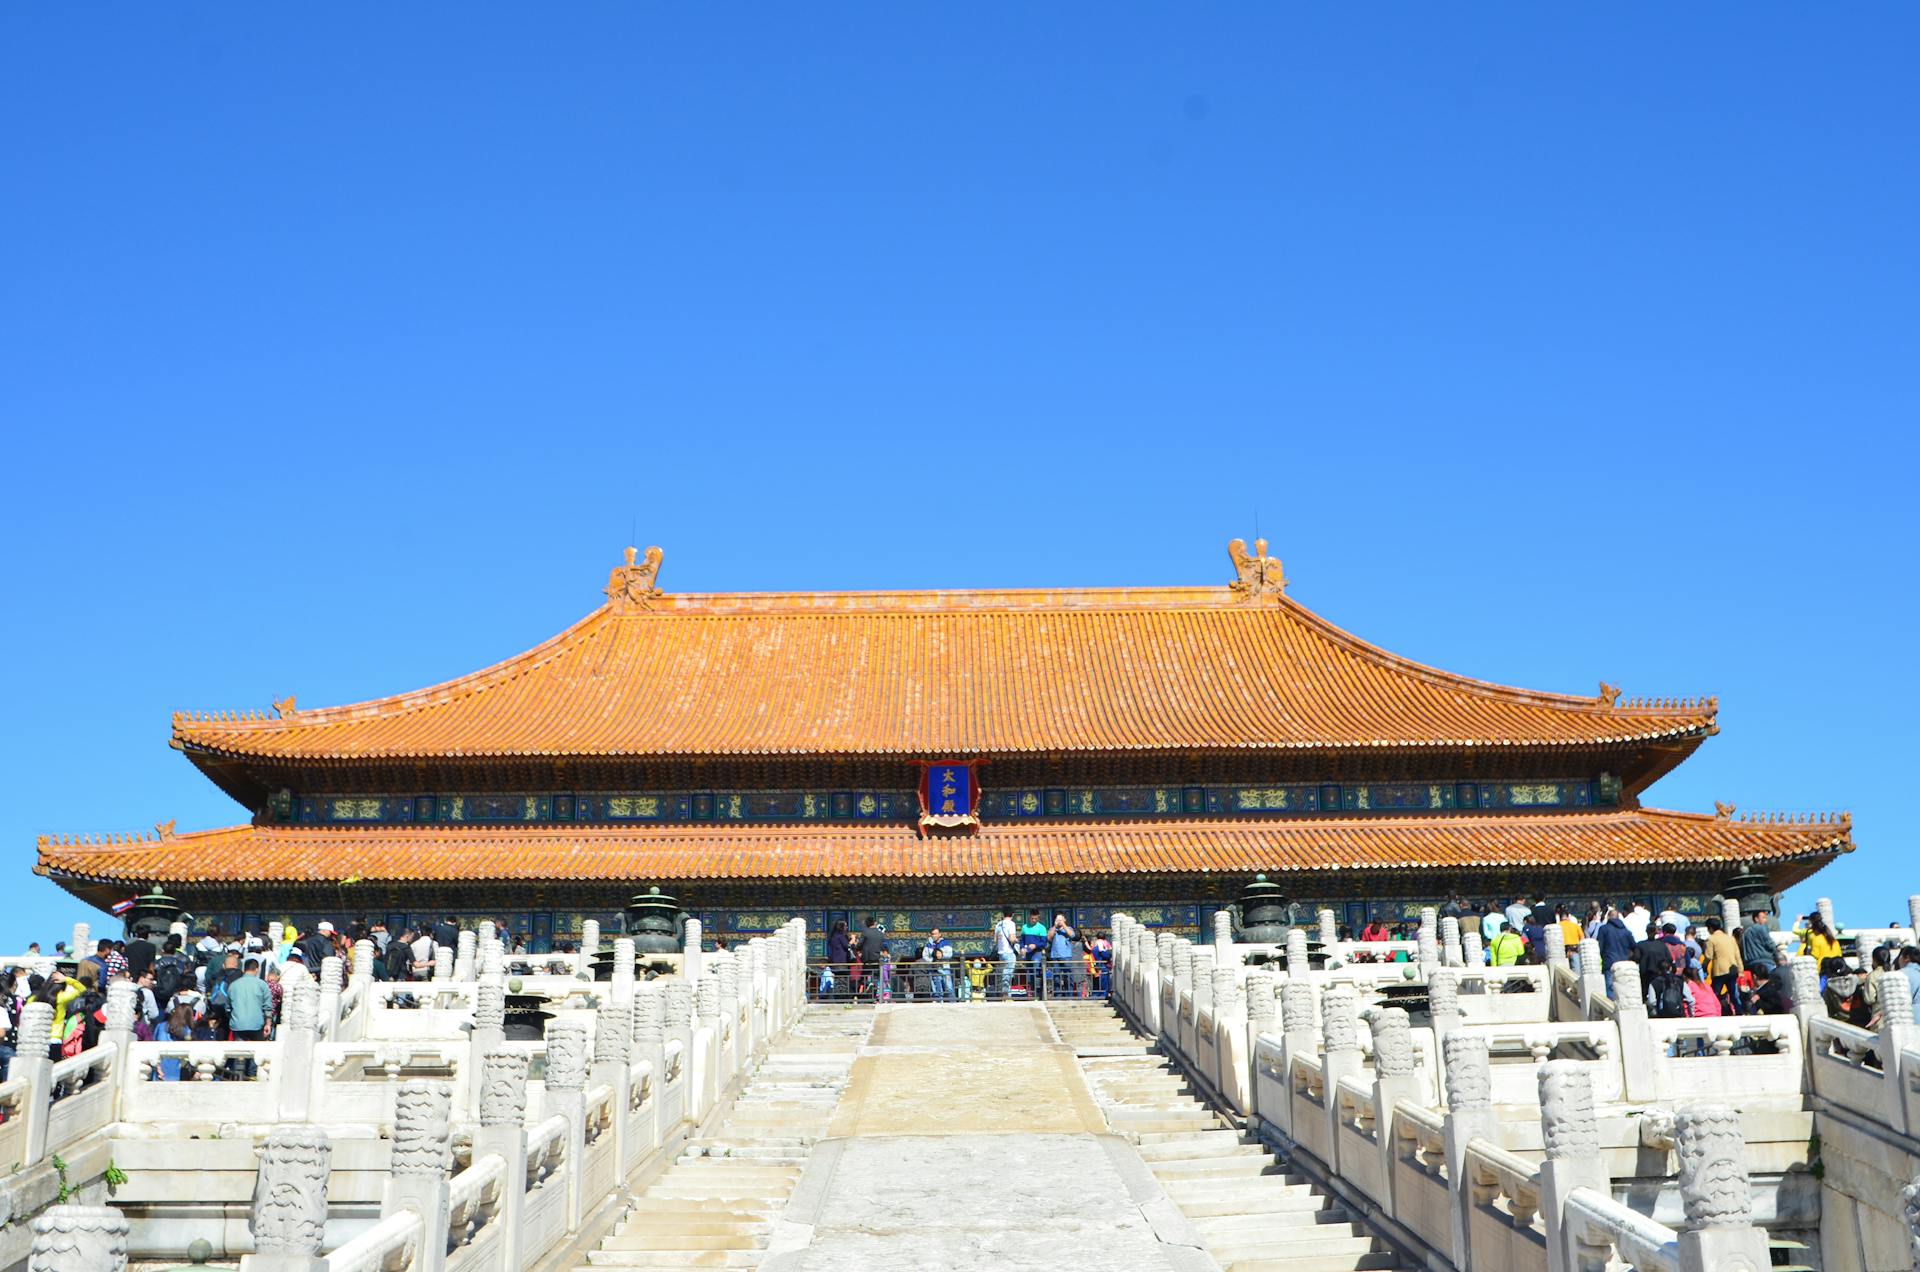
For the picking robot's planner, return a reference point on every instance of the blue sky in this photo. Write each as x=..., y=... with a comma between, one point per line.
x=344, y=351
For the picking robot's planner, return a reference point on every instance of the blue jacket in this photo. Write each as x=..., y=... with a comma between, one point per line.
x=1616, y=943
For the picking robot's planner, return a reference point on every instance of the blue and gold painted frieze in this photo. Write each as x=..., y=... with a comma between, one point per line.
x=1016, y=804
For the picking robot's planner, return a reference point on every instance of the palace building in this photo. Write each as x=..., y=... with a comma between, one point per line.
x=931, y=756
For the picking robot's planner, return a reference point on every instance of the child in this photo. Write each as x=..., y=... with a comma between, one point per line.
x=976, y=977
x=885, y=991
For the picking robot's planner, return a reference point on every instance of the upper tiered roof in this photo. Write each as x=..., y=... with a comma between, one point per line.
x=941, y=673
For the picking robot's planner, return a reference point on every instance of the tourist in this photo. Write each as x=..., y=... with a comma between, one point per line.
x=1535, y=932
x=976, y=978
x=1818, y=941
x=1673, y=916
x=9, y=1019
x=446, y=933
x=1769, y=994
x=1660, y=975
x=1907, y=963
x=175, y=1026
x=1638, y=920
x=399, y=959
x=1723, y=964
x=1517, y=913
x=839, y=957
x=140, y=954
x=146, y=1004
x=378, y=934
x=1068, y=971
x=857, y=966
x=1702, y=1001
x=1507, y=948
x=1491, y=921
x=1842, y=996
x=422, y=946
x=1615, y=942
x=883, y=981
x=1033, y=951
x=172, y=971
x=873, y=942
x=1571, y=933
x=1005, y=940
x=1757, y=949
x=249, y=1004
x=938, y=953
x=1099, y=964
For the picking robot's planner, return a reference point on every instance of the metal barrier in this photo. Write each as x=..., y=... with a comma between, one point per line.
x=958, y=981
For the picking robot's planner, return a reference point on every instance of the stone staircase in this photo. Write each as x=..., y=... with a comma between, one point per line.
x=1254, y=1216
x=716, y=1205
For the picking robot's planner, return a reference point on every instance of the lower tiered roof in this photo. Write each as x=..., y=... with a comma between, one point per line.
x=1785, y=850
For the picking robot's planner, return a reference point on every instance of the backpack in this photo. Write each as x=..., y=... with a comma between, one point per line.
x=217, y=996
x=169, y=974
x=1670, y=996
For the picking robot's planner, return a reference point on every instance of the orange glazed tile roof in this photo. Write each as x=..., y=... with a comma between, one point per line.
x=295, y=854
x=939, y=673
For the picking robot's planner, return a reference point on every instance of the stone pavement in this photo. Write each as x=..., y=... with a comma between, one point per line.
x=967, y=1138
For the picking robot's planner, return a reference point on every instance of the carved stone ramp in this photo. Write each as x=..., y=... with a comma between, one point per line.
x=717, y=1205
x=1252, y=1214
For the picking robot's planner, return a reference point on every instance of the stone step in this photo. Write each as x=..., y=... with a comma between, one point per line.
x=676, y=1258
x=650, y=1225
x=656, y=1240
x=752, y=1210
x=1244, y=1195
x=1243, y=1226
x=1251, y=1164
x=1315, y=1262
x=1220, y=1143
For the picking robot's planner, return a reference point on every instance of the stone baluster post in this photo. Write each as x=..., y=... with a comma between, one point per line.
x=1329, y=931
x=1556, y=942
x=1572, y=1137
x=298, y=1035
x=484, y=931
x=77, y=942
x=421, y=1161
x=1714, y=1190
x=1636, y=1038
x=1202, y=983
x=1427, y=950
x=1262, y=990
x=567, y=1097
x=1298, y=964
x=1430, y=920
x=726, y=968
x=1471, y=955
x=488, y=1034
x=1298, y=1038
x=612, y=1049
x=1803, y=972
x=1823, y=906
x=333, y=984
x=649, y=1036
x=502, y=1133
x=1443, y=1001
x=1182, y=970
x=1222, y=934
x=493, y=959
x=1593, y=977
x=1339, y=1031
x=1470, y=1116
x=706, y=1035
x=118, y=1030
x=1145, y=1005
x=690, y=954
x=1897, y=1033
x=275, y=930
x=1451, y=952
x=365, y=954
x=623, y=969
x=753, y=987
x=1913, y=915
x=79, y=1238
x=589, y=946
x=676, y=999
x=464, y=962
x=442, y=963
x=33, y=1064
x=1394, y=1078
x=1232, y=1049
x=289, y=1215
x=1730, y=914
x=179, y=929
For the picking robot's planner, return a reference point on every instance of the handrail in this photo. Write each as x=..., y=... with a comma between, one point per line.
x=474, y=1184
x=1598, y=1220
x=389, y=1246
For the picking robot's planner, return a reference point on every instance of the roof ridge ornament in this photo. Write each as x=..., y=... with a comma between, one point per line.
x=1723, y=811
x=284, y=708
x=1259, y=574
x=631, y=586
x=1609, y=694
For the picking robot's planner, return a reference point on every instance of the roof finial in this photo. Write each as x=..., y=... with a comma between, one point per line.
x=631, y=586
x=1722, y=811
x=283, y=707
x=1609, y=694
x=1259, y=574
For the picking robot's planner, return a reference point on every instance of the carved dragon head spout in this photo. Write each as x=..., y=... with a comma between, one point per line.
x=1256, y=574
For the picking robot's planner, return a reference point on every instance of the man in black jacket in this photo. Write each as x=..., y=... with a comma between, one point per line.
x=873, y=939
x=1659, y=978
x=446, y=932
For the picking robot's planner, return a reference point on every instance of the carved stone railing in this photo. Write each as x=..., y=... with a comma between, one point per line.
x=1609, y=1234
x=391, y=1245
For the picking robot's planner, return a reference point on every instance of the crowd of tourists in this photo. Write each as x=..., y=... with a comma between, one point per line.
x=1687, y=969
x=206, y=987
x=1034, y=959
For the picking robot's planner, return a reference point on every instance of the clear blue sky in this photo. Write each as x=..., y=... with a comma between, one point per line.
x=344, y=350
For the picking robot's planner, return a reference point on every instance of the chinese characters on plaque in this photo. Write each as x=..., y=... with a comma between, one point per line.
x=949, y=795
